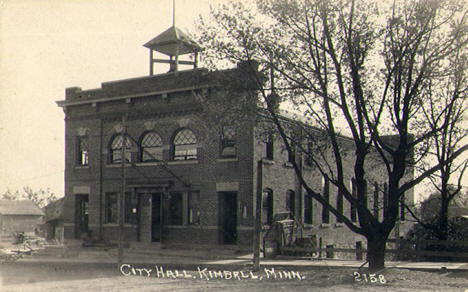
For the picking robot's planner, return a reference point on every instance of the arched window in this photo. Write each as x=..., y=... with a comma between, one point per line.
x=116, y=149
x=267, y=214
x=151, y=147
x=185, y=145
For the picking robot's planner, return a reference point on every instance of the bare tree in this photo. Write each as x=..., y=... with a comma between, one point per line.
x=352, y=68
x=448, y=179
x=41, y=198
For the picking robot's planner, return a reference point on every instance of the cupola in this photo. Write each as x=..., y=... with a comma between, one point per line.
x=174, y=43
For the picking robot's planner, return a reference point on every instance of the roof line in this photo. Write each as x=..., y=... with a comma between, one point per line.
x=65, y=103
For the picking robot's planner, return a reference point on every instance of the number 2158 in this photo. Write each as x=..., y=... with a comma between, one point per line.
x=372, y=278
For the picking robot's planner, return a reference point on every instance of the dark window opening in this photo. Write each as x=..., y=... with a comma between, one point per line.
x=175, y=209
x=308, y=209
x=83, y=151
x=385, y=198
x=292, y=153
x=291, y=203
x=376, y=200
x=193, y=212
x=267, y=214
x=330, y=251
x=326, y=196
x=131, y=208
x=308, y=155
x=353, y=208
x=228, y=142
x=339, y=205
x=269, y=148
x=111, y=208
x=402, y=208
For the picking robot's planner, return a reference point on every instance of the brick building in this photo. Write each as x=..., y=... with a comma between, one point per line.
x=182, y=181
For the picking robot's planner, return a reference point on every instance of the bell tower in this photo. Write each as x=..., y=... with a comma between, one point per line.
x=174, y=43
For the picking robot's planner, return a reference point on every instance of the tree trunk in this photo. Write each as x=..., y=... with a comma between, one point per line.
x=443, y=222
x=376, y=252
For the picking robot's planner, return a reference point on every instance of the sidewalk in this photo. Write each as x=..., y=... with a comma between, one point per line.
x=191, y=259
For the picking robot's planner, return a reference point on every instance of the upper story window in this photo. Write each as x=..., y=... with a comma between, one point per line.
x=353, y=208
x=151, y=147
x=291, y=203
x=185, y=145
x=269, y=149
x=292, y=152
x=82, y=153
x=116, y=149
x=228, y=142
x=308, y=155
x=326, y=196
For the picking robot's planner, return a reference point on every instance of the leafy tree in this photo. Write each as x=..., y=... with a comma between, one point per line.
x=41, y=197
x=369, y=71
x=428, y=218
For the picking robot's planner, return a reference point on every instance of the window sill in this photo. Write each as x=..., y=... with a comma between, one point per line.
x=110, y=225
x=82, y=167
x=117, y=165
x=176, y=226
x=177, y=162
x=288, y=165
x=149, y=163
x=268, y=161
x=227, y=159
x=324, y=225
x=339, y=224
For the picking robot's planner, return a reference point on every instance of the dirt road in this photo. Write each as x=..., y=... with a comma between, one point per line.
x=37, y=277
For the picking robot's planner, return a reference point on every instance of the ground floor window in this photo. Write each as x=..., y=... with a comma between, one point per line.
x=175, y=209
x=131, y=208
x=193, y=213
x=308, y=210
x=267, y=214
x=111, y=210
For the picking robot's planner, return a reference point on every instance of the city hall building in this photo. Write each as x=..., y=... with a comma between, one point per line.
x=183, y=183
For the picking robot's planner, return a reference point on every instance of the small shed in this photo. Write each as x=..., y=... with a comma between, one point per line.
x=53, y=223
x=19, y=216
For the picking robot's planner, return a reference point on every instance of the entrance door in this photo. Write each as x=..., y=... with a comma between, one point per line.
x=228, y=217
x=81, y=215
x=156, y=217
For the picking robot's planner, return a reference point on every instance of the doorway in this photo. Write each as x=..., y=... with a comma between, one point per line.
x=228, y=217
x=81, y=214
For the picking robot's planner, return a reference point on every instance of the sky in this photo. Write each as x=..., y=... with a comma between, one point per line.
x=49, y=45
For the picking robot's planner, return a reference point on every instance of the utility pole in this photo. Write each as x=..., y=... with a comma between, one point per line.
x=122, y=194
x=258, y=217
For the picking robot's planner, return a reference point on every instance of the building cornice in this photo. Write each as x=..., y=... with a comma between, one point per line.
x=129, y=97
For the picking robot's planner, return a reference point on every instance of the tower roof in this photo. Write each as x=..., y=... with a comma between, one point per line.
x=172, y=42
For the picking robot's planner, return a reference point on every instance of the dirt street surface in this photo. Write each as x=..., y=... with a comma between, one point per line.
x=37, y=277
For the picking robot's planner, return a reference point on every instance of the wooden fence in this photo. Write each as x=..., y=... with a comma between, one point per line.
x=402, y=249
